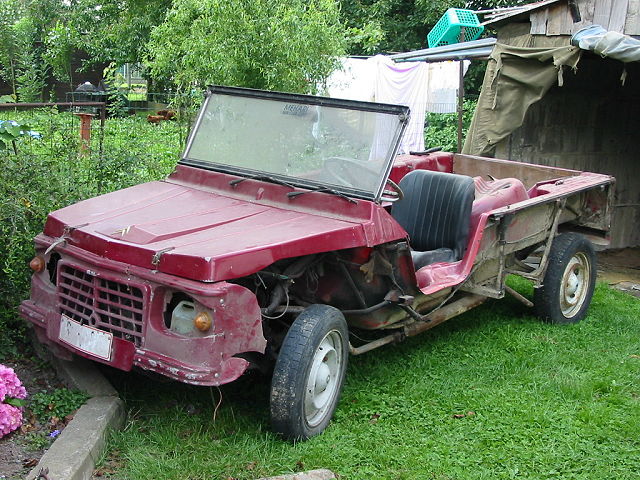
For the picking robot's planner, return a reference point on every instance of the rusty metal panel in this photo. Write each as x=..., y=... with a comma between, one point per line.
x=529, y=174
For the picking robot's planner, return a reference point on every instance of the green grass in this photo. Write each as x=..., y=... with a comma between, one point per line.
x=536, y=401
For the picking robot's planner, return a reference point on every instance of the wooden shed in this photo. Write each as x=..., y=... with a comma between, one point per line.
x=557, y=104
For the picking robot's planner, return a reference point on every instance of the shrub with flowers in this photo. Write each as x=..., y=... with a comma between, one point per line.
x=12, y=395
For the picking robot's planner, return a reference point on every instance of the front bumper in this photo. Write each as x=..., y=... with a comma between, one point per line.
x=204, y=359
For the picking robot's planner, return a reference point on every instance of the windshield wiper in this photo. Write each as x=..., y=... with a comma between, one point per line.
x=323, y=190
x=264, y=178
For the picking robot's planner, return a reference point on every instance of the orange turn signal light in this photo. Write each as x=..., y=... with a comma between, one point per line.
x=202, y=321
x=37, y=264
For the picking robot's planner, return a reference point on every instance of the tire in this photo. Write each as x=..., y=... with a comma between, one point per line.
x=309, y=373
x=568, y=284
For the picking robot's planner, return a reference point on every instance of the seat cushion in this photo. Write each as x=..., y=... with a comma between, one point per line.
x=436, y=211
x=422, y=259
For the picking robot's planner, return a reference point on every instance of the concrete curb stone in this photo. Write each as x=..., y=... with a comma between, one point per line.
x=321, y=474
x=83, y=375
x=74, y=453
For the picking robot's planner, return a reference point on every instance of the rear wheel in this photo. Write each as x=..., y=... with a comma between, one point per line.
x=309, y=373
x=568, y=284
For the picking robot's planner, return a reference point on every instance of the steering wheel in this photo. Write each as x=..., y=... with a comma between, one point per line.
x=392, y=195
x=345, y=172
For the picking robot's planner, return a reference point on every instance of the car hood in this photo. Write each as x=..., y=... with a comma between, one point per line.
x=216, y=233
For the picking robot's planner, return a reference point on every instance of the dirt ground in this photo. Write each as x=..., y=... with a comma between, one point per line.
x=621, y=269
x=21, y=449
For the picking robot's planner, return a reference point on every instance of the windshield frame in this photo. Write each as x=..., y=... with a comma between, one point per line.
x=400, y=111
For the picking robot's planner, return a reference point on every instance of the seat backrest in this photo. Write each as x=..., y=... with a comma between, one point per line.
x=435, y=210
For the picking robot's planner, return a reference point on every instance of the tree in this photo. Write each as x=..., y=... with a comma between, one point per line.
x=23, y=24
x=377, y=26
x=288, y=45
x=105, y=31
x=115, y=30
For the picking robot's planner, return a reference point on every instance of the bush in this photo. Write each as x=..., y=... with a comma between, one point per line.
x=442, y=128
x=58, y=403
x=51, y=172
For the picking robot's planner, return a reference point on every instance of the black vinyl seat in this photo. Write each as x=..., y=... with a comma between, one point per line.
x=436, y=213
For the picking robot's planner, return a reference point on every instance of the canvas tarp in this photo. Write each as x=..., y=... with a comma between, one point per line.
x=516, y=78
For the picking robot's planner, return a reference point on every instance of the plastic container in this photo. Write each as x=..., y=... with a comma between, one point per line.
x=182, y=317
x=447, y=30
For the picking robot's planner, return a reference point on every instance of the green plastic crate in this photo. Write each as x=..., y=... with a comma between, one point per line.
x=447, y=30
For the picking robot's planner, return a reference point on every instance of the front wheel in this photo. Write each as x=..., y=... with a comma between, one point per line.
x=309, y=373
x=568, y=284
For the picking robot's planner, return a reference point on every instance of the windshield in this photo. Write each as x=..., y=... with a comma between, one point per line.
x=307, y=141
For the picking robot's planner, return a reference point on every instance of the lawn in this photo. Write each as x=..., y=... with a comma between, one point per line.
x=493, y=394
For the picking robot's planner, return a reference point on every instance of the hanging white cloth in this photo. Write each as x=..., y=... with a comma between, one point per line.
x=420, y=86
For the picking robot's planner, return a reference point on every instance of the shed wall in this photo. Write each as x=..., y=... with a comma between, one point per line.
x=591, y=123
x=621, y=16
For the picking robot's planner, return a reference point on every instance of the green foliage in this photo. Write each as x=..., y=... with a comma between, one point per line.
x=116, y=100
x=31, y=70
x=119, y=29
x=10, y=11
x=397, y=25
x=474, y=77
x=10, y=131
x=23, y=26
x=442, y=128
x=39, y=37
x=37, y=440
x=493, y=394
x=62, y=41
x=59, y=403
x=378, y=26
x=365, y=39
x=287, y=45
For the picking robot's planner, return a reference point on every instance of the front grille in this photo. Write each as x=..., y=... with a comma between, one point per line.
x=105, y=304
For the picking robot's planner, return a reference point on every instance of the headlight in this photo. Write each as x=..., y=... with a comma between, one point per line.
x=185, y=318
x=202, y=321
x=37, y=264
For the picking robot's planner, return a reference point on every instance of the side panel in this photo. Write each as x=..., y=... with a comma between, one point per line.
x=527, y=173
x=534, y=224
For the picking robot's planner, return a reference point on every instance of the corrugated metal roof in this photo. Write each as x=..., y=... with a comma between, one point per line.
x=476, y=49
x=510, y=13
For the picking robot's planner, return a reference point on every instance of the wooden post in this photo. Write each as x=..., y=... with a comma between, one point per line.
x=460, y=94
x=460, y=104
x=85, y=131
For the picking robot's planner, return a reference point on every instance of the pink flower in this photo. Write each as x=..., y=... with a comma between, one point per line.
x=10, y=388
x=10, y=385
x=10, y=419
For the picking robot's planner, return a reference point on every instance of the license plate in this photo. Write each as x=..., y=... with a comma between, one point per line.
x=86, y=339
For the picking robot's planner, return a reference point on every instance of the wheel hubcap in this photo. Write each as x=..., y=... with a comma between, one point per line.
x=324, y=378
x=575, y=283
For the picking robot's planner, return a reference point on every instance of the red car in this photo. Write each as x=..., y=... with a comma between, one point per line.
x=288, y=225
